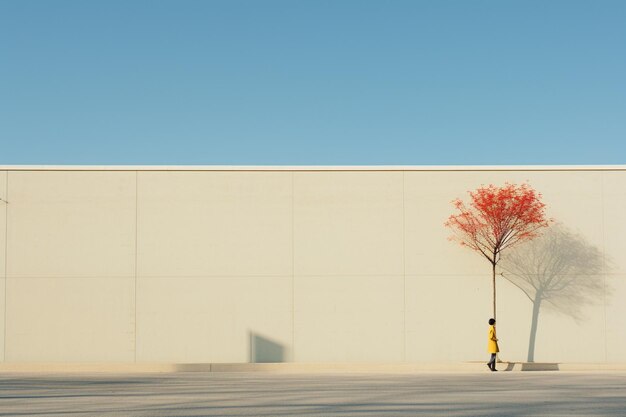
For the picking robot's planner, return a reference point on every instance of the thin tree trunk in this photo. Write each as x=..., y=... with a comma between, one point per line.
x=533, y=329
x=493, y=282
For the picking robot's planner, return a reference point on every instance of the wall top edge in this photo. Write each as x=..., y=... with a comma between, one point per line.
x=313, y=167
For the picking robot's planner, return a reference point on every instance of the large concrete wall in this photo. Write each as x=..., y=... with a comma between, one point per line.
x=187, y=266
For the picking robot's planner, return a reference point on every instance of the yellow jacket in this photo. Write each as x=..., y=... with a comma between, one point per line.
x=492, y=346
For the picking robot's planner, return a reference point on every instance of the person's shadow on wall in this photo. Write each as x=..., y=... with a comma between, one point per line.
x=559, y=271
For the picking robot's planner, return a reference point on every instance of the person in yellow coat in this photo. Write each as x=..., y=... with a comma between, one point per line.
x=492, y=345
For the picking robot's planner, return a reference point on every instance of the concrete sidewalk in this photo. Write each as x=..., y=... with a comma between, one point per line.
x=369, y=367
x=315, y=395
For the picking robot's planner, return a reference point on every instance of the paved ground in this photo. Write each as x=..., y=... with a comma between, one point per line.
x=257, y=394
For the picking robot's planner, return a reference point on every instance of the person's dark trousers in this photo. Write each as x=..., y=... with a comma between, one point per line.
x=492, y=362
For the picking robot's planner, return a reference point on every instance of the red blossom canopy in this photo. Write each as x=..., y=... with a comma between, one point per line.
x=498, y=218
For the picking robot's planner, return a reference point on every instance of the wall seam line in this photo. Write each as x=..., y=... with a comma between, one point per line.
x=604, y=268
x=6, y=262
x=403, y=267
x=293, y=270
x=136, y=246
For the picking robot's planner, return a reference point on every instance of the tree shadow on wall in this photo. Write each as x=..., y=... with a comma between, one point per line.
x=264, y=350
x=560, y=271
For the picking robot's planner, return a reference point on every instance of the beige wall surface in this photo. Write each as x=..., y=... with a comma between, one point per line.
x=614, y=217
x=214, y=223
x=348, y=223
x=212, y=319
x=215, y=265
x=191, y=266
x=347, y=235
x=71, y=266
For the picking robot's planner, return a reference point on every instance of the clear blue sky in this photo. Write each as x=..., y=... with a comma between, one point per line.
x=313, y=82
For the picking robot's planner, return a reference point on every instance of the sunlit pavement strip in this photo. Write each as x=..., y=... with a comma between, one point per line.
x=259, y=394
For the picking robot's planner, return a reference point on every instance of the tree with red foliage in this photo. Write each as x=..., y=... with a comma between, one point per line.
x=496, y=219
